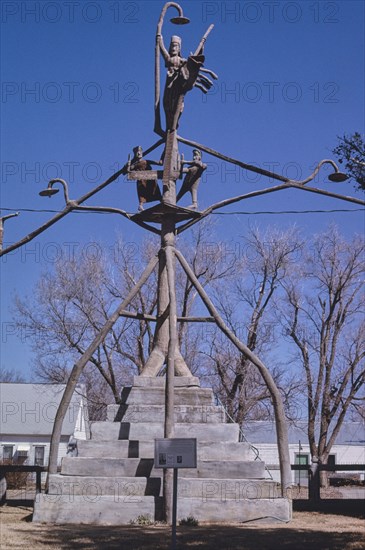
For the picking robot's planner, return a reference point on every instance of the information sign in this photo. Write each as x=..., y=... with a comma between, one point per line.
x=175, y=453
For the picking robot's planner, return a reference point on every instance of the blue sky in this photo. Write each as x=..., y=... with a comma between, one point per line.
x=77, y=96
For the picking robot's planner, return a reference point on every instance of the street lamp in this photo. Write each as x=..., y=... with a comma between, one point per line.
x=336, y=176
x=50, y=190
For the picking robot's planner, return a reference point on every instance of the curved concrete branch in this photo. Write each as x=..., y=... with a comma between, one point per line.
x=281, y=427
x=79, y=366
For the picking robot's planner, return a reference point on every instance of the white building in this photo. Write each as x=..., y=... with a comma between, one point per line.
x=27, y=416
x=349, y=447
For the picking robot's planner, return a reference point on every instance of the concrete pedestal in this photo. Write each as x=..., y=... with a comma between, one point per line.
x=112, y=480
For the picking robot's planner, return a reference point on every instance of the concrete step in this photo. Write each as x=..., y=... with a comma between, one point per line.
x=152, y=430
x=96, y=510
x=229, y=469
x=96, y=486
x=160, y=381
x=156, y=413
x=193, y=396
x=131, y=487
x=109, y=467
x=235, y=511
x=206, y=450
x=227, y=489
x=108, y=510
x=144, y=467
x=124, y=448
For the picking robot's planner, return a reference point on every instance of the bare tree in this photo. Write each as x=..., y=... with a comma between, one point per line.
x=324, y=319
x=69, y=306
x=73, y=301
x=11, y=376
x=247, y=305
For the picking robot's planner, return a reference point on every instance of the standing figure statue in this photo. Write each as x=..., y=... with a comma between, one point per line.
x=192, y=178
x=147, y=189
x=181, y=77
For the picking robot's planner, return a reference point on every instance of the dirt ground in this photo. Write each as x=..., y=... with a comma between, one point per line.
x=307, y=530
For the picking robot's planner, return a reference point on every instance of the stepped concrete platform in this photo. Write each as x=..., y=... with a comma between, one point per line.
x=112, y=480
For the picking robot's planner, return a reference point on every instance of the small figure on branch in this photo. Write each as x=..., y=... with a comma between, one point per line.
x=192, y=178
x=147, y=190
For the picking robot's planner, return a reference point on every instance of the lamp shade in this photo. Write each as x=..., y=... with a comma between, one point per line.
x=180, y=20
x=48, y=192
x=338, y=177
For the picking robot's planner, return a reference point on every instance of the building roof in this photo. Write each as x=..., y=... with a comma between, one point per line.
x=351, y=433
x=30, y=409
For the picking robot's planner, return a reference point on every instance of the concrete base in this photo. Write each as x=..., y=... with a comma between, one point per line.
x=113, y=480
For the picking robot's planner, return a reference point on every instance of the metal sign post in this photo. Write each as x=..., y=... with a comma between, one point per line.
x=174, y=510
x=175, y=453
